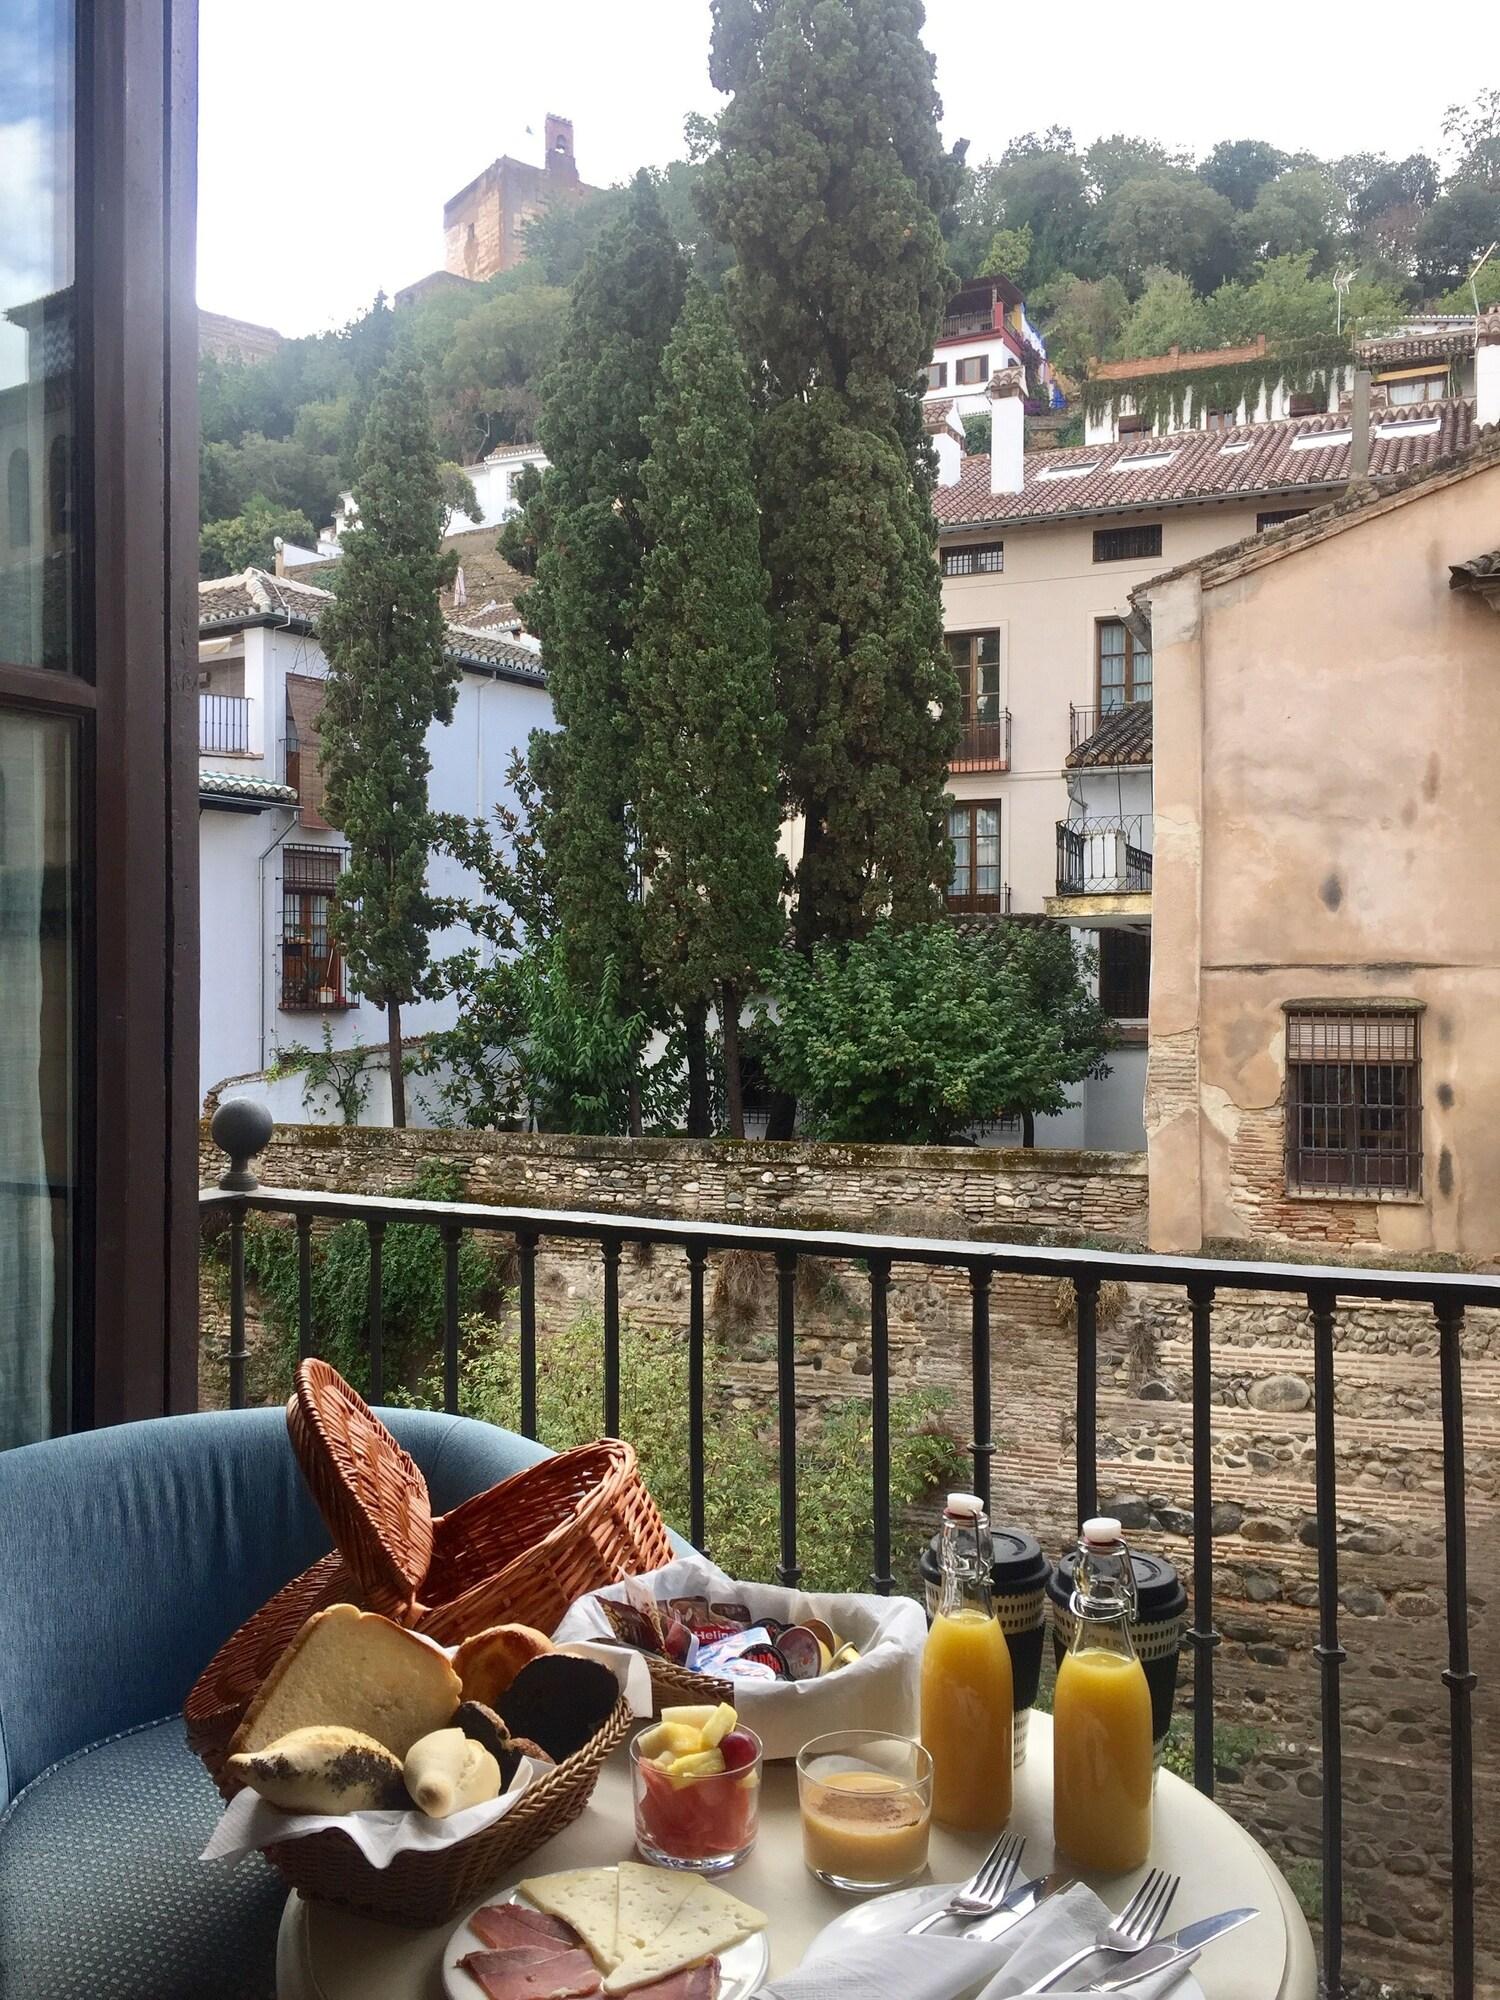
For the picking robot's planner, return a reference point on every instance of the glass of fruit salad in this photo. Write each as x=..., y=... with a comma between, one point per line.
x=696, y=1777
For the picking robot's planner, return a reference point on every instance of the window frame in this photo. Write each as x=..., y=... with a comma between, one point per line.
x=1124, y=983
x=1130, y=423
x=979, y=566
x=938, y=369
x=1352, y=1098
x=971, y=901
x=970, y=754
x=319, y=886
x=1302, y=403
x=1140, y=532
x=1131, y=685
x=979, y=362
x=1276, y=517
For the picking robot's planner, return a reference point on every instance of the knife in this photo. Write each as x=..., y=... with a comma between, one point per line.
x=1168, y=1951
x=1019, y=1903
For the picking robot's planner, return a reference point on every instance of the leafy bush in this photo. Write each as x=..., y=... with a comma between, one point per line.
x=741, y=1495
x=910, y=1036
x=411, y=1272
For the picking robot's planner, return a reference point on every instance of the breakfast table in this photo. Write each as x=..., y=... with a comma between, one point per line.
x=324, y=1953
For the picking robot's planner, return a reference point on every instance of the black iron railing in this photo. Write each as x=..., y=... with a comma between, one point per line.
x=224, y=722
x=1103, y=857
x=243, y=1129
x=983, y=744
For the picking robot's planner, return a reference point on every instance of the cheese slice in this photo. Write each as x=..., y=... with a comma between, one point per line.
x=587, y=1899
x=706, y=1922
x=649, y=1899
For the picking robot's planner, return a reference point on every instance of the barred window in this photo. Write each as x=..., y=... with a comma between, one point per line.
x=975, y=559
x=1274, y=516
x=1125, y=974
x=1354, y=1105
x=312, y=967
x=1127, y=544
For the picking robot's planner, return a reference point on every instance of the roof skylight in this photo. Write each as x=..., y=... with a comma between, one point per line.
x=1143, y=461
x=1068, y=471
x=1321, y=440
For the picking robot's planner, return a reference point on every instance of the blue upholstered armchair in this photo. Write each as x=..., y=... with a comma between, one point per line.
x=127, y=1556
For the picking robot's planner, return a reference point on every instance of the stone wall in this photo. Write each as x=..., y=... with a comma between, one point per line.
x=1264, y=1526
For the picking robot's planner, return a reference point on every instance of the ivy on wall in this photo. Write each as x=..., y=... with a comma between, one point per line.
x=1304, y=367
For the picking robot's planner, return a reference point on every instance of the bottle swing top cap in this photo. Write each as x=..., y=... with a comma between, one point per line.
x=964, y=1506
x=1103, y=1532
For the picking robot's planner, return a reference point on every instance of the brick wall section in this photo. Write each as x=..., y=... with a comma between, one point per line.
x=1258, y=1193
x=1388, y=1446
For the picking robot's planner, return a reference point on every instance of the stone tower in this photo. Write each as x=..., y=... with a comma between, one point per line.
x=483, y=224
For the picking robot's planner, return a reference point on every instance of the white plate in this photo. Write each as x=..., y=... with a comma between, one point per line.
x=741, y=1969
x=898, y=1912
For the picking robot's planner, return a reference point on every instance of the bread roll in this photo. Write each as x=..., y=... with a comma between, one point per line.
x=490, y=1661
x=352, y=1669
x=324, y=1770
x=447, y=1771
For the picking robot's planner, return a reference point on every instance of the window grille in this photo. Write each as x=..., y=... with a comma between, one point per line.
x=976, y=559
x=1127, y=544
x=312, y=967
x=1354, y=1108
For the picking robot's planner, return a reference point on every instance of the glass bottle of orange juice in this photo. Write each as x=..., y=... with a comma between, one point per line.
x=1101, y=1718
x=967, y=1713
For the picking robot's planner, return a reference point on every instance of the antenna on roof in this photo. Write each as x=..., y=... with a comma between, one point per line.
x=1473, y=287
x=1342, y=280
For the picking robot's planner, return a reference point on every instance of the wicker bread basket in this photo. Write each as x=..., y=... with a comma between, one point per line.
x=520, y=1552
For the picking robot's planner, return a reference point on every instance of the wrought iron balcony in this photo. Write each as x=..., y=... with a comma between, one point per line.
x=983, y=746
x=1104, y=857
x=224, y=723
x=244, y=1129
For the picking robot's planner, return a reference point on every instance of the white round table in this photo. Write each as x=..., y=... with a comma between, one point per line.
x=325, y=1954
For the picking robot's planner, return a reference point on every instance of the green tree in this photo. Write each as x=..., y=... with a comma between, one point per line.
x=487, y=379
x=1111, y=162
x=828, y=182
x=1239, y=168
x=1473, y=134
x=1009, y=253
x=1294, y=215
x=1081, y=318
x=585, y=519
x=1174, y=220
x=700, y=684
x=389, y=680
x=248, y=539
x=911, y=1036
x=1458, y=228
x=1168, y=313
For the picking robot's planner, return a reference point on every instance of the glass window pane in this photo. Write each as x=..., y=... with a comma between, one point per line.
x=38, y=393
x=1111, y=665
x=38, y=973
x=1140, y=674
x=988, y=650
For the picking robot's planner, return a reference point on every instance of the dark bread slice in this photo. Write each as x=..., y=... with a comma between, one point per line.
x=559, y=1701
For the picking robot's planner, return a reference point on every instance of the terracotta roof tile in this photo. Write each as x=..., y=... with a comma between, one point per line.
x=1436, y=346
x=1123, y=737
x=1141, y=472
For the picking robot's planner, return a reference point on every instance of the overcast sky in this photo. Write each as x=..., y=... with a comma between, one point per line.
x=332, y=135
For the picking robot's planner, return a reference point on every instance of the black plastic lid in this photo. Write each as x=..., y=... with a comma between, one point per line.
x=1017, y=1562
x=1159, y=1593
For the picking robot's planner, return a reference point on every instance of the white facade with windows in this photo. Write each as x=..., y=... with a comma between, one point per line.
x=268, y=859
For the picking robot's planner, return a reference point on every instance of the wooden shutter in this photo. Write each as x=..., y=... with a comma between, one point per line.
x=304, y=696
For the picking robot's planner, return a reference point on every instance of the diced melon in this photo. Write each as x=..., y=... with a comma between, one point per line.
x=690, y=1718
x=675, y=1738
x=719, y=1725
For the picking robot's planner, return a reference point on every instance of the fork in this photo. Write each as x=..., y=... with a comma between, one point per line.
x=985, y=1889
x=1131, y=1931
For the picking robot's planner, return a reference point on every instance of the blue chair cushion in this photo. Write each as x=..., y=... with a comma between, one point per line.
x=102, y=1895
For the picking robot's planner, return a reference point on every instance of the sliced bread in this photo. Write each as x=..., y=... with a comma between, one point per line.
x=354, y=1670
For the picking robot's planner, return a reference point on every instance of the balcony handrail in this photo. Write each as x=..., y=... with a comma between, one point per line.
x=245, y=1129
x=224, y=722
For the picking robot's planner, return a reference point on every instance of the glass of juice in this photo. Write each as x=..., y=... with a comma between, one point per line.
x=706, y=1821
x=866, y=1805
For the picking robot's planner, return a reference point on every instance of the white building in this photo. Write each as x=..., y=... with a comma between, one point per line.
x=494, y=482
x=268, y=860
x=985, y=329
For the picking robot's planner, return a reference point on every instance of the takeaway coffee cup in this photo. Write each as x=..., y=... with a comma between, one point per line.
x=1018, y=1573
x=1156, y=1630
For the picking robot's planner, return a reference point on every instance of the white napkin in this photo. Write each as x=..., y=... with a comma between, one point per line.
x=248, y=1822
x=895, y=1967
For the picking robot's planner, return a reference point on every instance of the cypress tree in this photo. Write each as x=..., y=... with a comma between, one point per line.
x=388, y=682
x=586, y=523
x=827, y=182
x=700, y=682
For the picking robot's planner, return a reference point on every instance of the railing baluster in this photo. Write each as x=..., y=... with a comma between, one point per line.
x=611, y=1248
x=237, y=1307
x=1458, y=1675
x=697, y=1258
x=1202, y=1637
x=1328, y=1652
x=526, y=1244
x=983, y=1446
x=881, y=1579
x=788, y=1570
x=1086, y=1296
x=304, y=1287
x=452, y=1237
x=376, y=1234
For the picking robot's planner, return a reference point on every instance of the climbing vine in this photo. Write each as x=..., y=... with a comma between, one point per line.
x=1304, y=367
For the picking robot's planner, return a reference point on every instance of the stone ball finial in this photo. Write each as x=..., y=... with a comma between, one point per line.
x=241, y=1128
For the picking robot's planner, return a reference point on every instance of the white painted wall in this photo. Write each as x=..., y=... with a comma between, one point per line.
x=493, y=480
x=1114, y=1106
x=242, y=1023
x=1264, y=409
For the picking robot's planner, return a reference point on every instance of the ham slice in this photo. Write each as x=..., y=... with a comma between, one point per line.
x=504, y=1924
x=533, y=1972
x=699, y=1982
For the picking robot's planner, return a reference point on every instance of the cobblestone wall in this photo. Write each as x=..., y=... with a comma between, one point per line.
x=1390, y=1533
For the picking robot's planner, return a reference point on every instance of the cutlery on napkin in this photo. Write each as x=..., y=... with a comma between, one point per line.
x=895, y=1967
